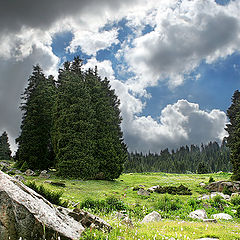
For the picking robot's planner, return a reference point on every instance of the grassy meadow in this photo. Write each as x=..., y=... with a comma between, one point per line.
x=105, y=198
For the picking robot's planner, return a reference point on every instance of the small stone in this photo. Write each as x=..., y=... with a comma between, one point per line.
x=223, y=216
x=152, y=217
x=198, y=214
x=29, y=172
x=143, y=192
x=44, y=174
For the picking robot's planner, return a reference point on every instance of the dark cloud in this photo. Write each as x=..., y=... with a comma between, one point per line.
x=15, y=14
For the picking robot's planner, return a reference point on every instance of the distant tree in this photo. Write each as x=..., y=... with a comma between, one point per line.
x=202, y=168
x=35, y=147
x=5, y=152
x=233, y=129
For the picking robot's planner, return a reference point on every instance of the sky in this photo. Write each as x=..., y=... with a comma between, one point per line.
x=174, y=64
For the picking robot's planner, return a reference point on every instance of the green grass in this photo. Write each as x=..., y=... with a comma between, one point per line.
x=173, y=209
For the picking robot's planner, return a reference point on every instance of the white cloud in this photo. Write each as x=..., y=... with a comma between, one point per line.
x=179, y=124
x=91, y=42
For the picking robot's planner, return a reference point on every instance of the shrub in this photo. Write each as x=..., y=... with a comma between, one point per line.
x=193, y=203
x=226, y=190
x=52, y=196
x=180, y=190
x=92, y=235
x=218, y=202
x=235, y=200
x=24, y=167
x=106, y=205
x=238, y=212
x=211, y=179
x=168, y=203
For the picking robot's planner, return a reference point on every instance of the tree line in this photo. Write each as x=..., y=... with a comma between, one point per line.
x=71, y=124
x=204, y=159
x=5, y=152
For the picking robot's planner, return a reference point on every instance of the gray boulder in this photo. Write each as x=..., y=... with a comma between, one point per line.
x=20, y=178
x=198, y=214
x=220, y=185
x=29, y=172
x=152, y=217
x=143, y=192
x=153, y=189
x=44, y=174
x=27, y=215
x=223, y=216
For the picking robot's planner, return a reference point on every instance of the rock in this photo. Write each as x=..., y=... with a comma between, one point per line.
x=223, y=216
x=143, y=192
x=219, y=186
x=7, y=164
x=29, y=172
x=198, y=214
x=202, y=184
x=210, y=220
x=89, y=220
x=214, y=194
x=152, y=217
x=24, y=214
x=44, y=174
x=224, y=196
x=153, y=189
x=235, y=194
x=127, y=221
x=18, y=172
x=20, y=178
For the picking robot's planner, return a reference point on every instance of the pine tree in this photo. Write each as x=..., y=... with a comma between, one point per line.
x=35, y=147
x=5, y=152
x=233, y=129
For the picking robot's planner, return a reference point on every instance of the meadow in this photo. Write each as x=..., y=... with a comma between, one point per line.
x=106, y=198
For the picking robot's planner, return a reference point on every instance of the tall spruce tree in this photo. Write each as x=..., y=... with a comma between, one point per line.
x=110, y=150
x=35, y=147
x=73, y=129
x=87, y=137
x=5, y=152
x=233, y=129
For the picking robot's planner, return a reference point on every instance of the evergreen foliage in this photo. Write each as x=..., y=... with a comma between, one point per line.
x=208, y=158
x=5, y=152
x=35, y=148
x=233, y=129
x=86, y=132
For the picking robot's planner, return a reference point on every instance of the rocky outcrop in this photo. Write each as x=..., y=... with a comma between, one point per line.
x=220, y=185
x=44, y=174
x=198, y=214
x=214, y=194
x=27, y=215
x=29, y=172
x=152, y=217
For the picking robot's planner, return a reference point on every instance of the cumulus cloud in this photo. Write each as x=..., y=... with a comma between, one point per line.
x=185, y=35
x=179, y=124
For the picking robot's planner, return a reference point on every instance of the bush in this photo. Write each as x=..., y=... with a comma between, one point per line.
x=24, y=167
x=180, y=190
x=92, y=235
x=193, y=203
x=107, y=205
x=226, y=190
x=236, y=200
x=218, y=202
x=211, y=179
x=52, y=196
x=238, y=212
x=168, y=203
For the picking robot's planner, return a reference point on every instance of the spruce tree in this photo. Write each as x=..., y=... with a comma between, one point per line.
x=110, y=150
x=73, y=129
x=233, y=129
x=35, y=147
x=5, y=152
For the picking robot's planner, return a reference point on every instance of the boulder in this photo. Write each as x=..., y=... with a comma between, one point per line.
x=235, y=194
x=143, y=192
x=44, y=174
x=29, y=172
x=27, y=215
x=153, y=188
x=220, y=185
x=20, y=178
x=202, y=184
x=214, y=194
x=89, y=220
x=152, y=217
x=223, y=216
x=198, y=214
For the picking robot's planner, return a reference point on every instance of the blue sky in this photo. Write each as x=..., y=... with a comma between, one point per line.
x=174, y=64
